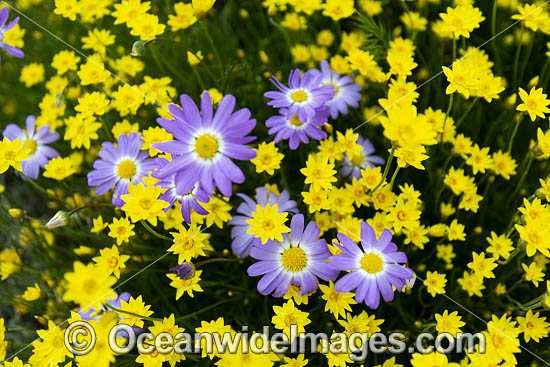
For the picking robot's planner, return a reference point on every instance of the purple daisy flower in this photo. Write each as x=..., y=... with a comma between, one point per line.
x=206, y=143
x=372, y=270
x=299, y=261
x=121, y=165
x=352, y=167
x=92, y=313
x=346, y=92
x=303, y=96
x=295, y=130
x=242, y=241
x=188, y=201
x=35, y=141
x=14, y=51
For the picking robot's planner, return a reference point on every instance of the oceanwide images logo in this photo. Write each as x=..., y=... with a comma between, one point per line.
x=80, y=339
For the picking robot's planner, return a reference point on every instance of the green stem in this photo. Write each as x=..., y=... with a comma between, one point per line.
x=493, y=33
x=204, y=309
x=35, y=184
x=526, y=58
x=454, y=48
x=386, y=168
x=131, y=313
x=518, y=121
x=153, y=232
x=394, y=176
x=516, y=60
x=88, y=206
x=204, y=28
x=199, y=79
x=451, y=99
x=461, y=119
x=218, y=259
x=521, y=180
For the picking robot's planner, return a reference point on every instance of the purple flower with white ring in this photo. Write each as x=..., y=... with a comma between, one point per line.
x=205, y=144
x=300, y=259
x=303, y=96
x=346, y=92
x=351, y=167
x=121, y=165
x=295, y=130
x=242, y=241
x=191, y=200
x=372, y=270
x=14, y=51
x=35, y=141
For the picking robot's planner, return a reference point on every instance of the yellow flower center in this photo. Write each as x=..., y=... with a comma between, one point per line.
x=531, y=104
x=206, y=146
x=296, y=121
x=299, y=96
x=126, y=169
x=268, y=225
x=121, y=230
x=294, y=259
x=498, y=340
x=112, y=262
x=290, y=320
x=10, y=155
x=372, y=263
x=264, y=158
x=89, y=286
x=316, y=173
x=146, y=204
x=358, y=159
x=30, y=146
x=334, y=296
x=187, y=243
x=401, y=215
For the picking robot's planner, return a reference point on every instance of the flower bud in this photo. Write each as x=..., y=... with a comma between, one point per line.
x=522, y=245
x=272, y=10
x=243, y=13
x=184, y=271
x=539, y=194
x=263, y=57
x=437, y=230
x=138, y=48
x=60, y=219
x=16, y=213
x=328, y=127
x=410, y=282
x=59, y=100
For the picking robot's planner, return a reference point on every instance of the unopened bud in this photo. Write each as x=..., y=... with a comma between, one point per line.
x=409, y=283
x=328, y=128
x=537, y=152
x=60, y=219
x=522, y=245
x=263, y=57
x=184, y=271
x=59, y=100
x=272, y=10
x=243, y=13
x=138, y=49
x=539, y=194
x=16, y=213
